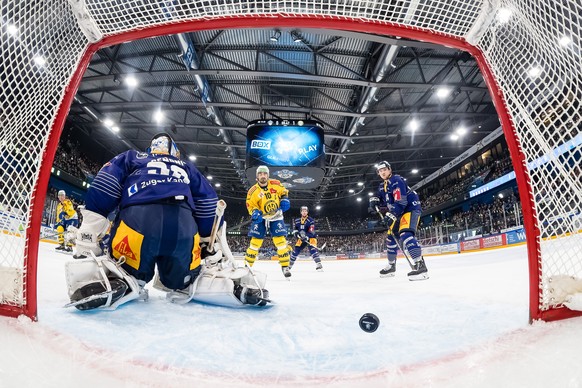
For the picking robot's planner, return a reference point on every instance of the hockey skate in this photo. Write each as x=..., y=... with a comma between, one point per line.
x=252, y=296
x=388, y=271
x=95, y=294
x=419, y=272
x=63, y=249
x=286, y=272
x=318, y=267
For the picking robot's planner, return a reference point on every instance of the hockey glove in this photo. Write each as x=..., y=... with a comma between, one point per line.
x=92, y=230
x=373, y=204
x=296, y=234
x=257, y=215
x=389, y=220
x=210, y=257
x=285, y=204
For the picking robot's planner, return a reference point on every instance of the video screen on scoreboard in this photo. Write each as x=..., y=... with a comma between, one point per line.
x=291, y=143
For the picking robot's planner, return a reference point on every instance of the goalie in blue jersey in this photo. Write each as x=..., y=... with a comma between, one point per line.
x=166, y=212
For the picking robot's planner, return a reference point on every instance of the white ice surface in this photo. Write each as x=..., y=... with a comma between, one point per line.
x=467, y=326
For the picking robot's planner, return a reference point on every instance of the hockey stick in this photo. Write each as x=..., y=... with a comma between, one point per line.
x=220, y=206
x=404, y=252
x=311, y=245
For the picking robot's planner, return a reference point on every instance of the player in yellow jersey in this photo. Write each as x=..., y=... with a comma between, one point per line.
x=266, y=202
x=66, y=217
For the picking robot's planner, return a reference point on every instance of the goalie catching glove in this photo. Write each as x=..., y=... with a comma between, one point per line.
x=92, y=230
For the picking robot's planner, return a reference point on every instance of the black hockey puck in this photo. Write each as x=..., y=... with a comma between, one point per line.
x=369, y=322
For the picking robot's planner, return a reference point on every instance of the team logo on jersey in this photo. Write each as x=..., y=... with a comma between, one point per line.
x=271, y=206
x=133, y=189
x=261, y=144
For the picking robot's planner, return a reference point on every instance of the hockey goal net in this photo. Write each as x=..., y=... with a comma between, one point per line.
x=528, y=51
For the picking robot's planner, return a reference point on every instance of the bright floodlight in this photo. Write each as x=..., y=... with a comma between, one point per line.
x=192, y=157
x=360, y=183
x=131, y=81
x=461, y=131
x=504, y=14
x=217, y=184
x=12, y=29
x=565, y=41
x=158, y=116
x=414, y=171
x=359, y=199
x=370, y=193
x=534, y=71
x=454, y=137
x=209, y=177
x=318, y=207
x=351, y=191
x=108, y=122
x=39, y=60
x=115, y=128
x=443, y=92
x=413, y=124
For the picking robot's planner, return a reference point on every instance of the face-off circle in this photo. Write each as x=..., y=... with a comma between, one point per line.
x=369, y=322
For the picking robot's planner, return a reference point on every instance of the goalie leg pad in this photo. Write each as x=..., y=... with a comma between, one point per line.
x=230, y=287
x=101, y=276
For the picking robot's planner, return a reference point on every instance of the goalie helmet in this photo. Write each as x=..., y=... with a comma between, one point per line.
x=162, y=143
x=262, y=169
x=382, y=164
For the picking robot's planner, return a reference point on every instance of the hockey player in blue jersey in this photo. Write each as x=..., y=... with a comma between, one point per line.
x=304, y=232
x=401, y=207
x=165, y=209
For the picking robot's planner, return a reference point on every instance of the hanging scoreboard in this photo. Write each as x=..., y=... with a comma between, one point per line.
x=294, y=150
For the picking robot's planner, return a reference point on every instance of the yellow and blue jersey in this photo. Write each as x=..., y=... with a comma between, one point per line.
x=266, y=199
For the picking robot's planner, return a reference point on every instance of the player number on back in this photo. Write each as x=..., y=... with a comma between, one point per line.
x=160, y=168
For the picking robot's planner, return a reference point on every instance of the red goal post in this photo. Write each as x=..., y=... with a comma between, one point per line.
x=527, y=50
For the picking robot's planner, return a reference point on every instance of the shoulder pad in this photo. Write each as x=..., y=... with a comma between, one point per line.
x=275, y=182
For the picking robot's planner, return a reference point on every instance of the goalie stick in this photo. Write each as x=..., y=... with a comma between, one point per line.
x=220, y=207
x=410, y=262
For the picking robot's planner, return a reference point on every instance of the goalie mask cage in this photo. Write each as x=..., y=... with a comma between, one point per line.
x=527, y=50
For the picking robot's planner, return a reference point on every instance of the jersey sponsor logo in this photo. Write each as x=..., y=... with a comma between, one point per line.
x=261, y=144
x=396, y=194
x=141, y=155
x=124, y=249
x=133, y=189
x=273, y=191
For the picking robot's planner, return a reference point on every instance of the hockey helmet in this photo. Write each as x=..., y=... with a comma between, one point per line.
x=162, y=143
x=382, y=164
x=61, y=192
x=262, y=169
x=305, y=208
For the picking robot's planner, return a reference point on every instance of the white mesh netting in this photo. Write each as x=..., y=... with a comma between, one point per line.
x=524, y=42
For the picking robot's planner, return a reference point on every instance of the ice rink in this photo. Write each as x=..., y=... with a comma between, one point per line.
x=467, y=326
